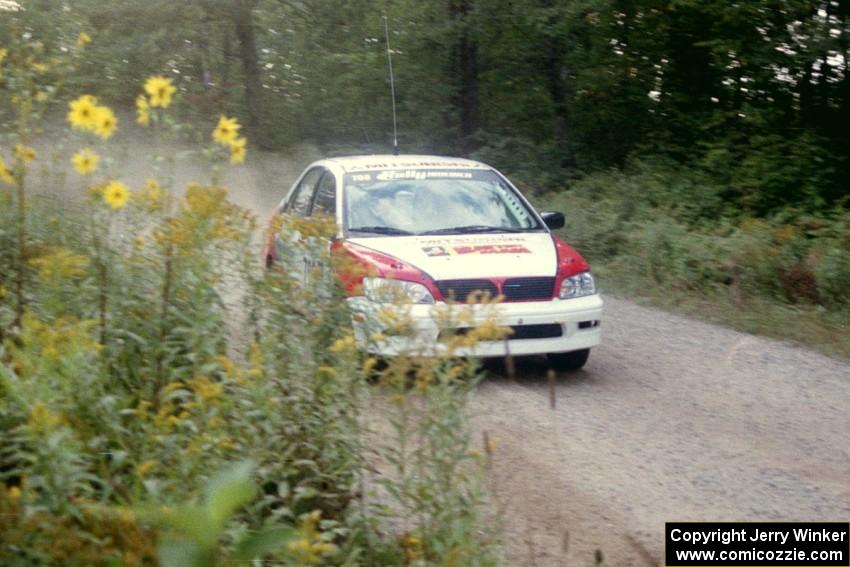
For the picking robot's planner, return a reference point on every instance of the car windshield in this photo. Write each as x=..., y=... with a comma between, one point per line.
x=428, y=201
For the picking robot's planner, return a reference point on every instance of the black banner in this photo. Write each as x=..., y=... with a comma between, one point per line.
x=757, y=544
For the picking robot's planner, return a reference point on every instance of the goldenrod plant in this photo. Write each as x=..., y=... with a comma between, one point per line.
x=146, y=357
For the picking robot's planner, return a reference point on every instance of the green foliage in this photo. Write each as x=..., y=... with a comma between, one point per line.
x=673, y=228
x=752, y=93
x=832, y=274
x=142, y=350
x=192, y=532
x=660, y=229
x=435, y=481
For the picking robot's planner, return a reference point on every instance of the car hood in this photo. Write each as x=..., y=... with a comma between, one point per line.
x=468, y=256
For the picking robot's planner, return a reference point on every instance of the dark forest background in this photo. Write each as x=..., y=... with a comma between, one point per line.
x=751, y=95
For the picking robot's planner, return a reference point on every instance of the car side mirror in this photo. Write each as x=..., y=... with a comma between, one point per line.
x=553, y=220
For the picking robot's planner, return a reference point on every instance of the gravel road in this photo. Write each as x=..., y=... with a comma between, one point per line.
x=671, y=420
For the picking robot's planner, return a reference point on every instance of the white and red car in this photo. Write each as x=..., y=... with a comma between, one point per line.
x=435, y=229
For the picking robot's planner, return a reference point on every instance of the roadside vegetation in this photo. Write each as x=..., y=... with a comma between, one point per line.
x=164, y=401
x=664, y=235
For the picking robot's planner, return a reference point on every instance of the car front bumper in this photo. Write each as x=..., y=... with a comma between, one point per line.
x=426, y=325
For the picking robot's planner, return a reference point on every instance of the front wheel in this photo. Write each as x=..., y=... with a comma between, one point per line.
x=568, y=361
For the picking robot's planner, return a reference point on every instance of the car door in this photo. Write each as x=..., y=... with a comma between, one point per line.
x=285, y=245
x=314, y=198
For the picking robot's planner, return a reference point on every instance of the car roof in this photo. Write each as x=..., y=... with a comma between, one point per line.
x=387, y=161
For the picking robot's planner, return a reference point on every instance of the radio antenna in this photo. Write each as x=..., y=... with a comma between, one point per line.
x=392, y=85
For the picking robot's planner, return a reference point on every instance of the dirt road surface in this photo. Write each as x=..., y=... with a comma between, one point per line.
x=671, y=420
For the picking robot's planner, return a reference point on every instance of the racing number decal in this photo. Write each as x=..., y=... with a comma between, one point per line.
x=493, y=249
x=476, y=249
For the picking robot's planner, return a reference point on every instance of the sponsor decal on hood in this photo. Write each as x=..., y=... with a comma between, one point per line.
x=469, y=256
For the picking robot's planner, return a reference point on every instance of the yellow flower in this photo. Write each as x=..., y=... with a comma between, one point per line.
x=171, y=387
x=14, y=492
x=61, y=263
x=152, y=198
x=344, y=344
x=42, y=420
x=3, y=53
x=369, y=364
x=115, y=194
x=146, y=467
x=237, y=151
x=160, y=90
x=327, y=370
x=299, y=547
x=228, y=367
x=104, y=122
x=489, y=330
x=226, y=130
x=85, y=161
x=309, y=548
x=255, y=358
x=141, y=410
x=412, y=546
x=41, y=96
x=143, y=116
x=6, y=173
x=24, y=153
x=39, y=67
x=205, y=389
x=83, y=112
x=83, y=39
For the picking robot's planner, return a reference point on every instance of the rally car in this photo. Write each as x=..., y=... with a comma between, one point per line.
x=438, y=231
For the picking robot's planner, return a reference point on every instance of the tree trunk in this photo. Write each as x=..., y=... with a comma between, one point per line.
x=244, y=21
x=554, y=51
x=466, y=72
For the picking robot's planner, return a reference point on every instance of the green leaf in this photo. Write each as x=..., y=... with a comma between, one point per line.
x=196, y=523
x=180, y=553
x=228, y=491
x=265, y=541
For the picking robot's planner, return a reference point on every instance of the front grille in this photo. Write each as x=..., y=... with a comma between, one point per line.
x=518, y=289
x=459, y=290
x=520, y=332
x=547, y=331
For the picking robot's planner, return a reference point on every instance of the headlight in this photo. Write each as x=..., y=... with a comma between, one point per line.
x=385, y=290
x=578, y=285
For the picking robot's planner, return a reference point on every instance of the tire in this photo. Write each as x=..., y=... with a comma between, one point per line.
x=568, y=361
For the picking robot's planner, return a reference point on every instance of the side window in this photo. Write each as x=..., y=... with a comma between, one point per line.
x=299, y=204
x=325, y=202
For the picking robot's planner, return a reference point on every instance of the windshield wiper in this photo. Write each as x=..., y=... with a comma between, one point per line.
x=473, y=228
x=382, y=230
